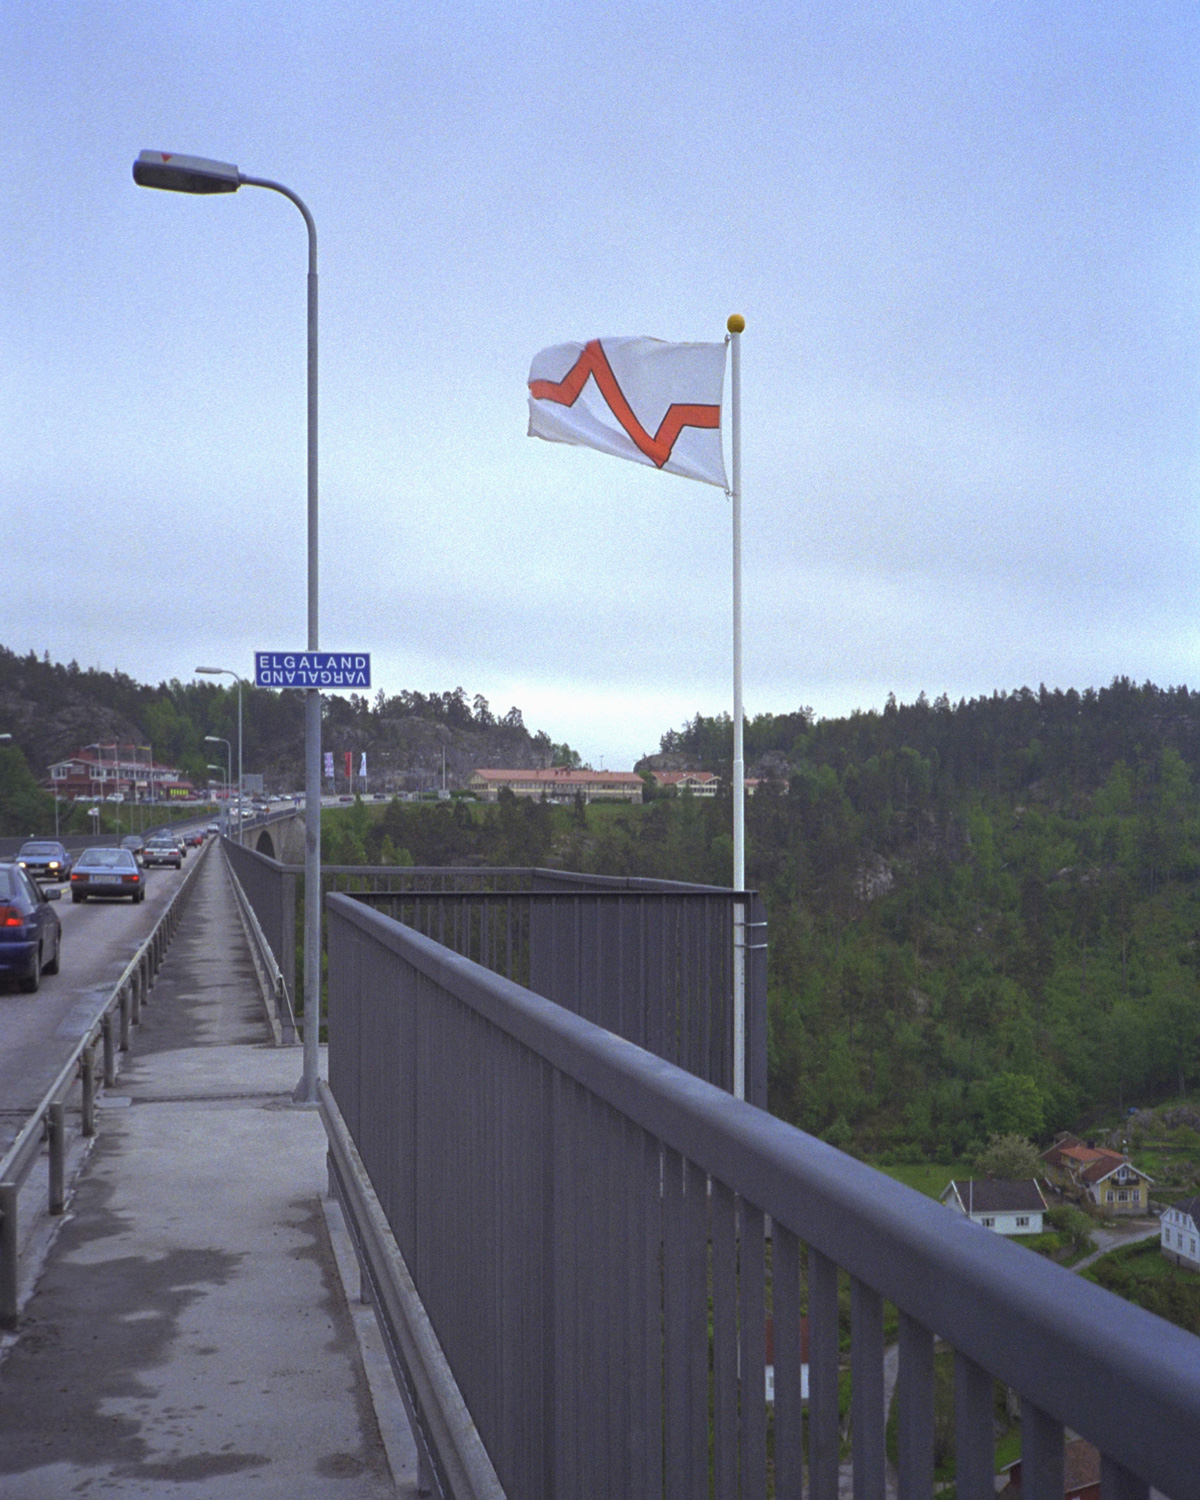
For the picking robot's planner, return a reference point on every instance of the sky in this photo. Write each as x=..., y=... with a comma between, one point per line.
x=964, y=238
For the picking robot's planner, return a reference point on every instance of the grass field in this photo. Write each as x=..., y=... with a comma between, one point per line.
x=929, y=1178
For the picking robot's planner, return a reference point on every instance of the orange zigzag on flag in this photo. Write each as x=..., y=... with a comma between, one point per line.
x=594, y=362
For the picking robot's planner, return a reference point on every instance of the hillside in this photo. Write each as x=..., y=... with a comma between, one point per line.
x=52, y=709
x=983, y=916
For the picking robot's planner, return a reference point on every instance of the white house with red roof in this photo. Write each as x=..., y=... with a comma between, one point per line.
x=558, y=784
x=699, y=783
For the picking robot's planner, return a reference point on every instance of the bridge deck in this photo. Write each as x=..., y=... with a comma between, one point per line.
x=190, y=1334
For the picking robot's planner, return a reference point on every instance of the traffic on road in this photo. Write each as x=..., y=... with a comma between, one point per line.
x=59, y=961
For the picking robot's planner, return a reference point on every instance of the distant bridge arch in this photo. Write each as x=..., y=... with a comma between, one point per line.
x=265, y=844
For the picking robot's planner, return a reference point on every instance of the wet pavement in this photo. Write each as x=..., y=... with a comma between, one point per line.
x=190, y=1334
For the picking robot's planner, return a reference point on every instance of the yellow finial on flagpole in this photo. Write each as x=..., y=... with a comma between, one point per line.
x=736, y=324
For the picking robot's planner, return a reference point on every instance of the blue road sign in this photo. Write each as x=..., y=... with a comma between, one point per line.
x=312, y=669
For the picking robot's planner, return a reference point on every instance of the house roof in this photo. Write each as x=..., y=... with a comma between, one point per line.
x=1110, y=1162
x=991, y=1195
x=1190, y=1207
x=1081, y=1464
x=673, y=778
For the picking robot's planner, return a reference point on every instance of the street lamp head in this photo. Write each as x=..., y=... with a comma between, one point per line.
x=213, y=671
x=213, y=739
x=185, y=174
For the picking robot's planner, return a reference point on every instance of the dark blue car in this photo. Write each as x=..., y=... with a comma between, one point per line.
x=30, y=932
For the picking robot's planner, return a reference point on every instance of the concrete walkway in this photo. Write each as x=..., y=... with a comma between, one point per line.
x=189, y=1335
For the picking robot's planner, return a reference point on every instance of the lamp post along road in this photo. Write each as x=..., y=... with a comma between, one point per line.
x=225, y=672
x=220, y=770
x=215, y=739
x=193, y=174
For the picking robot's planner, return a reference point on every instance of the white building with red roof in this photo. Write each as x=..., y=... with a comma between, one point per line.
x=558, y=784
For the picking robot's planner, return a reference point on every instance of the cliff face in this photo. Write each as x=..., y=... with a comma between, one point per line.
x=51, y=711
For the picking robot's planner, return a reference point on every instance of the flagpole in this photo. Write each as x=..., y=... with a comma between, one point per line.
x=735, y=326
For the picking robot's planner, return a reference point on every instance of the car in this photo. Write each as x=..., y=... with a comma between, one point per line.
x=30, y=932
x=162, y=849
x=107, y=871
x=44, y=859
x=137, y=844
x=213, y=828
x=194, y=839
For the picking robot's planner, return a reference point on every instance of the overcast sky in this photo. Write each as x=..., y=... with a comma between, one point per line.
x=963, y=236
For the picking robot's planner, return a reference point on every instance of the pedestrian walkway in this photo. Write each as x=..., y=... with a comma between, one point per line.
x=189, y=1335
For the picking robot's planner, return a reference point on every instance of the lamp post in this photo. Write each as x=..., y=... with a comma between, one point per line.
x=225, y=672
x=220, y=770
x=192, y=174
x=215, y=739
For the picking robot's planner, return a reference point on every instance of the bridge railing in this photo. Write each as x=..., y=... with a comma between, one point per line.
x=651, y=960
x=597, y=1238
x=107, y=1034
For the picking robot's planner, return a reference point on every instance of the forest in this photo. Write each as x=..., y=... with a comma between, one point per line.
x=984, y=917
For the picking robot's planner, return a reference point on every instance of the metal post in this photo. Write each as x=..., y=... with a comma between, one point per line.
x=241, y=778
x=57, y=1140
x=735, y=325
x=110, y=1051
x=8, y=1254
x=306, y=1090
x=87, y=1064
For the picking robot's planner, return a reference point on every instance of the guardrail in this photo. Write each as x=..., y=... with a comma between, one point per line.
x=281, y=1015
x=110, y=1030
x=596, y=1237
x=651, y=960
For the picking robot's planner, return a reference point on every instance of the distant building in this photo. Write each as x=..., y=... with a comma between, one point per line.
x=699, y=783
x=558, y=784
x=1002, y=1204
x=1179, y=1233
x=1081, y=1473
x=1108, y=1177
x=128, y=771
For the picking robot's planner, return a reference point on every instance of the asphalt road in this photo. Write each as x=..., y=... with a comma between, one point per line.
x=98, y=939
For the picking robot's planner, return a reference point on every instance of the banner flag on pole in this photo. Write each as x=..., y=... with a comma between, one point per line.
x=329, y=764
x=362, y=769
x=636, y=398
x=348, y=756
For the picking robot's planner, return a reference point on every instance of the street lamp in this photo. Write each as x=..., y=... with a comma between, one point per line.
x=225, y=672
x=215, y=739
x=220, y=770
x=193, y=174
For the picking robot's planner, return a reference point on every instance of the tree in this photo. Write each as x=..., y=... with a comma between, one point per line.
x=1009, y=1155
x=1012, y=1104
x=23, y=808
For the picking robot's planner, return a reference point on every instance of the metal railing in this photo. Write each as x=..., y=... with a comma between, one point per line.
x=281, y=1016
x=586, y=1227
x=651, y=960
x=46, y=1126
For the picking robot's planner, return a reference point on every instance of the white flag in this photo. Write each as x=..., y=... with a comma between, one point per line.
x=362, y=770
x=329, y=764
x=636, y=398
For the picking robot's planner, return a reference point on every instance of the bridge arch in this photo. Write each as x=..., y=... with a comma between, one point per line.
x=265, y=844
